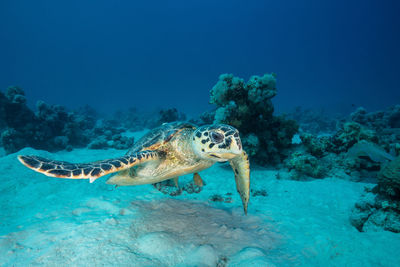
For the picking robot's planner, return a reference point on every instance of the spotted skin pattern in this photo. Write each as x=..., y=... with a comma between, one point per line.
x=206, y=132
x=92, y=171
x=217, y=138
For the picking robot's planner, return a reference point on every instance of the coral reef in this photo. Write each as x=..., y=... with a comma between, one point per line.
x=51, y=127
x=130, y=119
x=389, y=179
x=170, y=115
x=314, y=121
x=107, y=136
x=206, y=118
x=134, y=120
x=349, y=134
x=378, y=120
x=379, y=209
x=317, y=146
x=56, y=122
x=18, y=121
x=164, y=116
x=303, y=165
x=358, y=147
x=386, y=125
x=376, y=213
x=248, y=107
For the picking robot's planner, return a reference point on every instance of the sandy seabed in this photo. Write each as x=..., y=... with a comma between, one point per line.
x=59, y=222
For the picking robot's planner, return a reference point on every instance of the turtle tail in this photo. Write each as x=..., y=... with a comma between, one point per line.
x=91, y=171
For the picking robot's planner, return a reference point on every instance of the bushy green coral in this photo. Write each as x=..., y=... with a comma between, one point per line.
x=351, y=133
x=52, y=127
x=348, y=135
x=248, y=107
x=261, y=89
x=303, y=165
x=222, y=114
x=228, y=88
x=317, y=146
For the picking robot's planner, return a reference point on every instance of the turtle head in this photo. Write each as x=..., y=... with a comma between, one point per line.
x=218, y=142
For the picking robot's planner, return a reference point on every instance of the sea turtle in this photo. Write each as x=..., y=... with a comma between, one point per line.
x=166, y=152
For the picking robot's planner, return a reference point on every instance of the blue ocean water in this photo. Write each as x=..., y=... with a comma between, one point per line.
x=324, y=190
x=113, y=54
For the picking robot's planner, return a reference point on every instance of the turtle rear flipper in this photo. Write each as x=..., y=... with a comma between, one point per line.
x=241, y=168
x=92, y=171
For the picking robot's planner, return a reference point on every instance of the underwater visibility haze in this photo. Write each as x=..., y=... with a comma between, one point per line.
x=199, y=133
x=113, y=54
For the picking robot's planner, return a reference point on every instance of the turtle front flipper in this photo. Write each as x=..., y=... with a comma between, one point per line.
x=241, y=168
x=92, y=171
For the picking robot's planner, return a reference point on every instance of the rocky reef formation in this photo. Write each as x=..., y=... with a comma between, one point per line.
x=105, y=136
x=364, y=146
x=385, y=124
x=51, y=127
x=302, y=165
x=164, y=116
x=379, y=208
x=133, y=119
x=357, y=149
x=130, y=119
x=248, y=107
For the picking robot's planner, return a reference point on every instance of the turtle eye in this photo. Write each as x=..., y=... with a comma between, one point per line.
x=216, y=137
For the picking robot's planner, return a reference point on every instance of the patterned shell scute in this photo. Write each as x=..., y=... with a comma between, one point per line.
x=160, y=135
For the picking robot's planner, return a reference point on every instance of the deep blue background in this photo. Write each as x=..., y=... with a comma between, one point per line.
x=113, y=54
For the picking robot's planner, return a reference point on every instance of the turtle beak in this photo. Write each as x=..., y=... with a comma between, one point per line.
x=227, y=156
x=234, y=150
x=221, y=157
